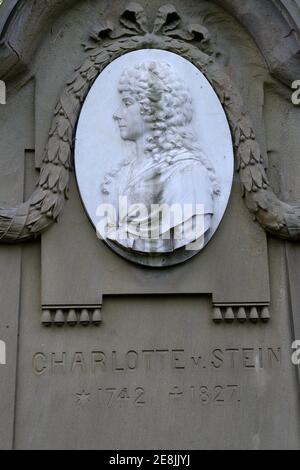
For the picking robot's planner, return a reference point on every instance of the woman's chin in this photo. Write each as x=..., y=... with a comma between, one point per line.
x=125, y=135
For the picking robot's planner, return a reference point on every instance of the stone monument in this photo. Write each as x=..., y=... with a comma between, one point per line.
x=149, y=225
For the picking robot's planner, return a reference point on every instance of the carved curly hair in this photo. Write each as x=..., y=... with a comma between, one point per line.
x=166, y=104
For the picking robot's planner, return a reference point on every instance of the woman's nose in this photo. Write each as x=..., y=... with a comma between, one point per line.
x=117, y=115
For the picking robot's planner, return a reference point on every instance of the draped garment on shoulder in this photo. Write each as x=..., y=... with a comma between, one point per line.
x=159, y=204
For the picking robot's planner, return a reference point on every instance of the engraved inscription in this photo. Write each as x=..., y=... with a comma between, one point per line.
x=217, y=394
x=96, y=362
x=212, y=377
x=206, y=394
x=202, y=394
x=111, y=396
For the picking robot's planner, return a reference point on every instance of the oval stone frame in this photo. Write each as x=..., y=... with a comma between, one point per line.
x=99, y=148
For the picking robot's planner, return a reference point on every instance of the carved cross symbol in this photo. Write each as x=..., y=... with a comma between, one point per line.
x=176, y=392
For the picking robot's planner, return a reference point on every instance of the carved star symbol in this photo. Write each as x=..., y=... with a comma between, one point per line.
x=82, y=398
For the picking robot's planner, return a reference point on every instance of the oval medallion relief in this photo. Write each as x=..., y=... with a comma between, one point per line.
x=154, y=158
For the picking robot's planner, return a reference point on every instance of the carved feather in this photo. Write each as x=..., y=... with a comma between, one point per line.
x=256, y=175
x=255, y=151
x=244, y=151
x=38, y=196
x=48, y=203
x=53, y=147
x=64, y=152
x=54, y=177
x=246, y=178
x=63, y=180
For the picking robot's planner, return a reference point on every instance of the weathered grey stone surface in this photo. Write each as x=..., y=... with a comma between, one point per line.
x=16, y=132
x=111, y=390
x=108, y=274
x=163, y=406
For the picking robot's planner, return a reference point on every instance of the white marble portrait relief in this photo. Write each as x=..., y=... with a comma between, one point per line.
x=162, y=189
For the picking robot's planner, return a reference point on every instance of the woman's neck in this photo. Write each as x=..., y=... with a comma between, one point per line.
x=140, y=147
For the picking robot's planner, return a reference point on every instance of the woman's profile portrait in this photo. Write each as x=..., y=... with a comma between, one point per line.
x=165, y=190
